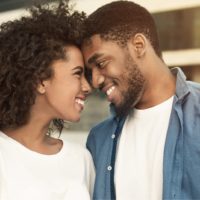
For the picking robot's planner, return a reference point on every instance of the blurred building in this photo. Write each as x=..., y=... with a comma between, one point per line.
x=179, y=33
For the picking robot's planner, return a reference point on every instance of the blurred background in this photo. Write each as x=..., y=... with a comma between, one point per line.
x=178, y=23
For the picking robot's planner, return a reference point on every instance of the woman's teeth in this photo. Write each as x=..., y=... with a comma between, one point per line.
x=80, y=101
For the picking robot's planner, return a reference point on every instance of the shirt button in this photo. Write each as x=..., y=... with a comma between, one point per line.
x=109, y=168
x=113, y=136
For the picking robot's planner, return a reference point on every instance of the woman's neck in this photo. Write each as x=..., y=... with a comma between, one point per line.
x=34, y=137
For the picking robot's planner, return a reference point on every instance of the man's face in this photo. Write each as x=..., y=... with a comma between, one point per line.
x=114, y=72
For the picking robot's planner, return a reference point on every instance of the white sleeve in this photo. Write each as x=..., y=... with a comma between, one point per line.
x=1, y=174
x=2, y=185
x=90, y=173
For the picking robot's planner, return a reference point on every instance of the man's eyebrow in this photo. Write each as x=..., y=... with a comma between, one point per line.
x=94, y=58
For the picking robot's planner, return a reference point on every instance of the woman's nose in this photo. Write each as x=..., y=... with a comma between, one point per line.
x=86, y=87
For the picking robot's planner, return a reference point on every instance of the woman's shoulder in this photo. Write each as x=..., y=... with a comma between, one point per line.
x=4, y=140
x=75, y=149
x=78, y=156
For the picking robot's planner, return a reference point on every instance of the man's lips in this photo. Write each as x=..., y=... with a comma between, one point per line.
x=108, y=89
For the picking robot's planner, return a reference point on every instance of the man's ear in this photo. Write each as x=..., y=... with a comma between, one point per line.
x=139, y=43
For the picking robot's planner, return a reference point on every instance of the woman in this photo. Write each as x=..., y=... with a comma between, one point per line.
x=42, y=79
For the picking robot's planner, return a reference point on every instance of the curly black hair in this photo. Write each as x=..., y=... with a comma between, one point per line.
x=28, y=46
x=120, y=20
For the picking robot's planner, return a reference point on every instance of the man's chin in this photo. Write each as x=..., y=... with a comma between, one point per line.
x=125, y=108
x=122, y=111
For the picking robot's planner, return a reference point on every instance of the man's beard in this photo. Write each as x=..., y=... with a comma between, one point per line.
x=132, y=95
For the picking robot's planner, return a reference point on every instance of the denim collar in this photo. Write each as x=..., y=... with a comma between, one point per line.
x=182, y=89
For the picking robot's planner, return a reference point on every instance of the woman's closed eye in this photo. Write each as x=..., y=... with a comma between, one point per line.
x=78, y=71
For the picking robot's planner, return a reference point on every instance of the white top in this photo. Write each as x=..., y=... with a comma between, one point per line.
x=139, y=163
x=28, y=175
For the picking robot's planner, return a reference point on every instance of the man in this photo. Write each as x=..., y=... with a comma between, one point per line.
x=149, y=149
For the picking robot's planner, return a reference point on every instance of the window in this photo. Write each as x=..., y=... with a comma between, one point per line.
x=179, y=29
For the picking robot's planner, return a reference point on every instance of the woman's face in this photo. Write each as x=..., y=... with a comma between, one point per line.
x=65, y=93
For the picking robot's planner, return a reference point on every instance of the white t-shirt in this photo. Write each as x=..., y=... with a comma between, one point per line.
x=139, y=163
x=28, y=175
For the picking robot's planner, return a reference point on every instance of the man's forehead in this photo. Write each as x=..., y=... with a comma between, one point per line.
x=91, y=41
x=87, y=42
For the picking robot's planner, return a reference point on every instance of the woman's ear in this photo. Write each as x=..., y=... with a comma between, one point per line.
x=41, y=88
x=139, y=43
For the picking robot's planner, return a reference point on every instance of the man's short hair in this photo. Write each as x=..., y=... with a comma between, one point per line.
x=120, y=20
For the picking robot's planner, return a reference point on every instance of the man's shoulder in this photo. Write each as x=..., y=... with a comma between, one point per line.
x=194, y=89
x=100, y=134
x=194, y=85
x=100, y=140
x=190, y=103
x=104, y=126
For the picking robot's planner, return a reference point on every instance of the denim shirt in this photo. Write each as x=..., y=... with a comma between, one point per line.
x=181, y=161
